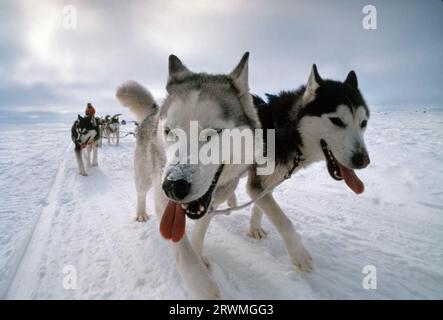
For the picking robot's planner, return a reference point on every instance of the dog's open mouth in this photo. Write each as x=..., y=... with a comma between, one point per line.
x=340, y=172
x=173, y=222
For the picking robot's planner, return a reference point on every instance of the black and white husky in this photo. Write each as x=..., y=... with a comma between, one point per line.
x=85, y=134
x=324, y=120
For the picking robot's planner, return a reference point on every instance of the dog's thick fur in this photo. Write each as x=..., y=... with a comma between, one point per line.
x=215, y=101
x=85, y=134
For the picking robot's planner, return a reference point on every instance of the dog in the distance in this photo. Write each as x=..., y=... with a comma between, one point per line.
x=324, y=120
x=112, y=128
x=85, y=134
x=101, y=127
x=181, y=190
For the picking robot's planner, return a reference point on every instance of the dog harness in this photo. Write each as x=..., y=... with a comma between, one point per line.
x=298, y=157
x=296, y=161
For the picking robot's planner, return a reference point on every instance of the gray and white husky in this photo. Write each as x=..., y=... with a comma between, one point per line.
x=217, y=102
x=324, y=120
x=112, y=128
x=85, y=134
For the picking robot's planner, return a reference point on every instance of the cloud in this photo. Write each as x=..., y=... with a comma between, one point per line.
x=46, y=67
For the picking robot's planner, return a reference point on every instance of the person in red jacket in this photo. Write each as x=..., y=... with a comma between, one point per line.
x=90, y=110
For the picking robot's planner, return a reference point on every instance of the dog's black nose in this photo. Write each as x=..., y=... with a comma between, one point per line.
x=176, y=189
x=360, y=160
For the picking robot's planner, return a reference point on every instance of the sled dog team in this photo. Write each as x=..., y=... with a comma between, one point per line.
x=321, y=120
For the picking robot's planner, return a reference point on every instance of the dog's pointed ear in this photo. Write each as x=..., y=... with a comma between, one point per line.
x=314, y=78
x=177, y=70
x=314, y=82
x=240, y=78
x=79, y=117
x=240, y=74
x=351, y=79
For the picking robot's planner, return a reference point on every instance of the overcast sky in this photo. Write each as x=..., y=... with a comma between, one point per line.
x=44, y=67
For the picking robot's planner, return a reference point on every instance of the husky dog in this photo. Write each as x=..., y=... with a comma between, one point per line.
x=216, y=101
x=323, y=120
x=112, y=128
x=85, y=133
x=101, y=128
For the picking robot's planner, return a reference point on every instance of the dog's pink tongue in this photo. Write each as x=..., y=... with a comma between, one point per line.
x=352, y=180
x=173, y=223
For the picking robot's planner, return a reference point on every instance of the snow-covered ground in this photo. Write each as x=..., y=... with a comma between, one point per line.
x=51, y=217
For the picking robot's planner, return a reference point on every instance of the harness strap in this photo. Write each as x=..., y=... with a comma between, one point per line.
x=85, y=144
x=228, y=211
x=297, y=159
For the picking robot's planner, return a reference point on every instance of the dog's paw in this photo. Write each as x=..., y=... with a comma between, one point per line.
x=142, y=217
x=195, y=273
x=232, y=202
x=95, y=164
x=257, y=233
x=84, y=174
x=302, y=260
x=214, y=292
x=208, y=291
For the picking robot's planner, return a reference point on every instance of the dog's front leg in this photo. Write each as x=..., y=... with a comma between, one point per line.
x=143, y=181
x=118, y=135
x=94, y=154
x=255, y=229
x=198, y=235
x=193, y=271
x=78, y=157
x=232, y=200
x=300, y=257
x=142, y=216
x=88, y=155
x=100, y=140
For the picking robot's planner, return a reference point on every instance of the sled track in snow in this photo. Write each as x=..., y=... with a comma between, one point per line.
x=50, y=206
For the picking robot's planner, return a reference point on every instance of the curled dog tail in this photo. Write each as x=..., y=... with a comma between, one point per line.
x=137, y=98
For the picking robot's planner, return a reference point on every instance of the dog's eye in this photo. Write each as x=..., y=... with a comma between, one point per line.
x=219, y=131
x=364, y=123
x=337, y=122
x=167, y=131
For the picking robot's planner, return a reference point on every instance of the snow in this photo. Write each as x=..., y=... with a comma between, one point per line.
x=51, y=217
